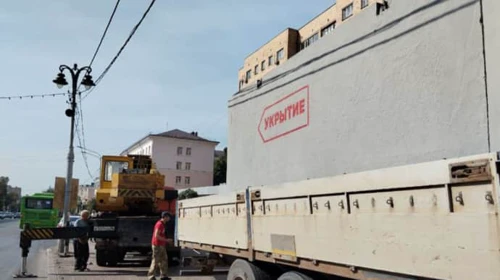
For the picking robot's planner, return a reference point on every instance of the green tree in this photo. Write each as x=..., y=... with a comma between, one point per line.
x=189, y=193
x=220, y=167
x=49, y=190
x=91, y=205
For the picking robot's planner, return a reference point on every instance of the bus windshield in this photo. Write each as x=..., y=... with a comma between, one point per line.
x=38, y=203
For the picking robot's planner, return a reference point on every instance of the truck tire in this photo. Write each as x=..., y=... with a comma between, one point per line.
x=121, y=256
x=293, y=275
x=100, y=257
x=112, y=258
x=243, y=270
x=106, y=257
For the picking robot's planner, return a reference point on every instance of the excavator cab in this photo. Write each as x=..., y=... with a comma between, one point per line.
x=129, y=184
x=113, y=165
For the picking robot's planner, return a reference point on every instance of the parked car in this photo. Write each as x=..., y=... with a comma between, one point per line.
x=72, y=220
x=7, y=215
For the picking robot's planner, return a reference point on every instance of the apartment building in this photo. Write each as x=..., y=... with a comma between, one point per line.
x=16, y=190
x=291, y=41
x=186, y=159
x=86, y=192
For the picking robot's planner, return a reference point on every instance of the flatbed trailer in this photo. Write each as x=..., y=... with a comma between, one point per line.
x=433, y=220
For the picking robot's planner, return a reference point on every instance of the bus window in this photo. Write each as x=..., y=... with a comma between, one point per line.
x=37, y=203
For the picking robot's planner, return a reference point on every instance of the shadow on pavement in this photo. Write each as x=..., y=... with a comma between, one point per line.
x=106, y=272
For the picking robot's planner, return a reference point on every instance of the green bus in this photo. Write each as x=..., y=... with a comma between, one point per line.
x=37, y=210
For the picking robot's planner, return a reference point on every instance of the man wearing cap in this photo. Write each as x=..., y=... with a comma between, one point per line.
x=159, y=246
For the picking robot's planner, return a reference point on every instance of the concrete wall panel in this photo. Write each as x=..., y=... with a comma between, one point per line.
x=402, y=87
x=491, y=9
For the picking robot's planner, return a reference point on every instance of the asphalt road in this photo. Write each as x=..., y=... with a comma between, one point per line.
x=41, y=257
x=10, y=253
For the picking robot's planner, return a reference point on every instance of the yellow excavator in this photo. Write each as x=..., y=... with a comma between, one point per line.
x=130, y=197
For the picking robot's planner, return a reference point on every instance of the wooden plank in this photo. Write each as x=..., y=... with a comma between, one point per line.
x=59, y=189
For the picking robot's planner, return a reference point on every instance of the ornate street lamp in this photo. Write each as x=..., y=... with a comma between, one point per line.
x=60, y=81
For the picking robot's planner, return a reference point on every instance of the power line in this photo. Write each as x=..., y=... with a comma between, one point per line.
x=100, y=42
x=77, y=125
x=81, y=139
x=31, y=96
x=98, y=80
x=104, y=34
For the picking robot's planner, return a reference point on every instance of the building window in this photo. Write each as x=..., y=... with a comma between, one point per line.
x=256, y=69
x=270, y=60
x=249, y=75
x=347, y=12
x=263, y=65
x=328, y=29
x=179, y=151
x=310, y=40
x=188, y=166
x=364, y=3
x=179, y=165
x=178, y=179
x=280, y=54
x=187, y=181
x=188, y=151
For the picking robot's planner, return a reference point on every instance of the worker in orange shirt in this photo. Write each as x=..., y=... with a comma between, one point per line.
x=159, y=245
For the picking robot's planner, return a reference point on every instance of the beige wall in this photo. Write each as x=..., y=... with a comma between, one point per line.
x=163, y=151
x=286, y=40
x=330, y=15
x=290, y=40
x=319, y=22
x=201, y=161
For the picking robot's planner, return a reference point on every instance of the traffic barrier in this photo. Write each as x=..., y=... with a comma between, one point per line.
x=29, y=234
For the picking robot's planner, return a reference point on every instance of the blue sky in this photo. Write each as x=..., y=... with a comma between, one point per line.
x=179, y=68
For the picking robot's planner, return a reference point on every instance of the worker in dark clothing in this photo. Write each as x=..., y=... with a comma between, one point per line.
x=81, y=244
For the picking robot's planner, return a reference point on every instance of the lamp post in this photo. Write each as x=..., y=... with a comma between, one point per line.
x=60, y=81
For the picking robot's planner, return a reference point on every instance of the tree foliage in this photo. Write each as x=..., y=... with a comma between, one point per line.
x=91, y=204
x=189, y=193
x=49, y=190
x=220, y=167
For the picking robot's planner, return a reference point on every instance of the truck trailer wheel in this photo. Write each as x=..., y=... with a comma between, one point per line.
x=292, y=275
x=243, y=270
x=100, y=257
x=106, y=257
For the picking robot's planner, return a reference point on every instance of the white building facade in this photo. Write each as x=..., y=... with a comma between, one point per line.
x=186, y=160
x=86, y=192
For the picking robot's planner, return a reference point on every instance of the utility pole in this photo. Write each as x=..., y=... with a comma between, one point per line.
x=60, y=81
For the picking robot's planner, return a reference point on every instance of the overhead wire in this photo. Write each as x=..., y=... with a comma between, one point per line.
x=77, y=130
x=104, y=33
x=79, y=107
x=31, y=96
x=98, y=80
